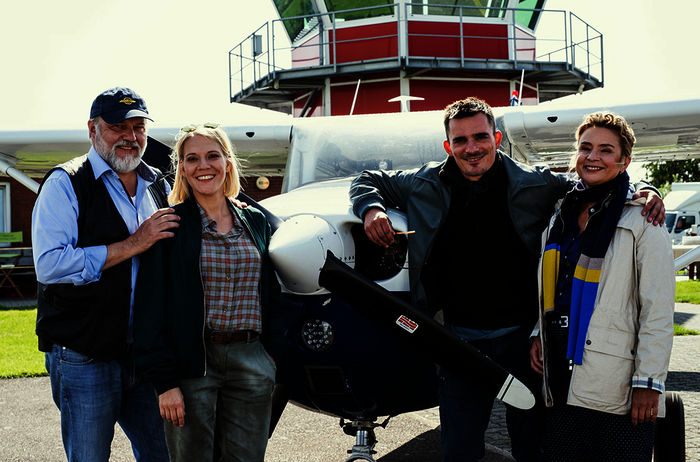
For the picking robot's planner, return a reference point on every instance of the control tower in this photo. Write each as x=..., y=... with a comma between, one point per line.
x=340, y=57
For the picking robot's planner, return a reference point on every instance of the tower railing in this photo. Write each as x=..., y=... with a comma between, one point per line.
x=322, y=41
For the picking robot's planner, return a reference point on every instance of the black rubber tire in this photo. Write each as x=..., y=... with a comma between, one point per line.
x=669, y=432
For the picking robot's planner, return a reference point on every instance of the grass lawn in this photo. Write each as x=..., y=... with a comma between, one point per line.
x=688, y=292
x=680, y=330
x=20, y=356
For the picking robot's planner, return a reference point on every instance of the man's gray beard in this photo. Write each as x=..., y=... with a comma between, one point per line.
x=120, y=164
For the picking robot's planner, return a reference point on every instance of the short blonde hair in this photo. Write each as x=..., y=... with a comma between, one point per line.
x=232, y=184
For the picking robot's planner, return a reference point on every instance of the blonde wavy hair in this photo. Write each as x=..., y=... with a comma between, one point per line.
x=232, y=184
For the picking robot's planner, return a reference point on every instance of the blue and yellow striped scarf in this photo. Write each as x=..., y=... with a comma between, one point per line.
x=609, y=200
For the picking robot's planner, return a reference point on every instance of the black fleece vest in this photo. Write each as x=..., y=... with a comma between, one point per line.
x=91, y=319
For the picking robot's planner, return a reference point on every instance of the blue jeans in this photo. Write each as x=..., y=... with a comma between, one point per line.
x=227, y=412
x=465, y=408
x=92, y=396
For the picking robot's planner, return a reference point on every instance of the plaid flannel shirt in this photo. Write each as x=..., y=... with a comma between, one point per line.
x=231, y=267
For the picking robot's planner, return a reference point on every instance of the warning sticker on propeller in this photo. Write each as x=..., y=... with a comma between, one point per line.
x=406, y=324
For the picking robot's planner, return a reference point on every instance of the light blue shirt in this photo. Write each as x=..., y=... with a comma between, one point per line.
x=57, y=259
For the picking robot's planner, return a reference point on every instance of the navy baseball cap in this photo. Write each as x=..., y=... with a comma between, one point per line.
x=118, y=104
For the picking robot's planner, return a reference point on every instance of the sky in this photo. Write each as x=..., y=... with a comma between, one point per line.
x=56, y=56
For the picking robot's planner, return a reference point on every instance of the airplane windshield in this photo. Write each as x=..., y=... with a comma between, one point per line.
x=340, y=147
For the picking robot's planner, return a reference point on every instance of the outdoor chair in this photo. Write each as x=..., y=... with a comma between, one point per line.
x=14, y=261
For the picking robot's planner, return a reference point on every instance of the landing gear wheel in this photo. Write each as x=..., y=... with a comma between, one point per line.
x=669, y=432
x=358, y=457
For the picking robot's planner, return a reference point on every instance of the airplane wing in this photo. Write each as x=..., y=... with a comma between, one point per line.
x=544, y=134
x=262, y=149
x=29, y=155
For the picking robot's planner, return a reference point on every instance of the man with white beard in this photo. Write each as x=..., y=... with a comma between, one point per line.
x=93, y=217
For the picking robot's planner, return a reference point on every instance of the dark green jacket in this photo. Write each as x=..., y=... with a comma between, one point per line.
x=169, y=308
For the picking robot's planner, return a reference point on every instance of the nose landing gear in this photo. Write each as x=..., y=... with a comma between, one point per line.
x=363, y=430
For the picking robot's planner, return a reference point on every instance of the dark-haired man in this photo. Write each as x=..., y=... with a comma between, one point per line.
x=474, y=214
x=94, y=215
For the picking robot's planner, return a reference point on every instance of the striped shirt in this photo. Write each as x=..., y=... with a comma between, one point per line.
x=230, y=265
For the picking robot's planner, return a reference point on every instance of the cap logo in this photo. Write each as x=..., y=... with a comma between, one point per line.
x=128, y=101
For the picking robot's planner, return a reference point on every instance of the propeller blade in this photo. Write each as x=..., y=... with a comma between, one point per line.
x=157, y=155
x=446, y=348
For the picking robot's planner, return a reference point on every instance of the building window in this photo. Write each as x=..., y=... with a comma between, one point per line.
x=338, y=5
x=291, y=8
x=468, y=8
x=527, y=18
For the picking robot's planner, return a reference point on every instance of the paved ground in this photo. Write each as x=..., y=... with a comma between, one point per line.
x=30, y=427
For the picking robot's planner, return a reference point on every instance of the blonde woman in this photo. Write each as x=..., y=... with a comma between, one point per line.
x=606, y=317
x=205, y=304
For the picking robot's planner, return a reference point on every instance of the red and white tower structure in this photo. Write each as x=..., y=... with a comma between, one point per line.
x=337, y=57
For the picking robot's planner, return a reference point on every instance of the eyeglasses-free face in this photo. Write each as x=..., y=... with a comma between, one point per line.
x=599, y=156
x=204, y=166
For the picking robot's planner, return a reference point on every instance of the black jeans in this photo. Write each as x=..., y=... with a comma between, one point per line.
x=465, y=408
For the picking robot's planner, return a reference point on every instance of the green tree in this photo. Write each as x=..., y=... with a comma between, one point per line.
x=673, y=171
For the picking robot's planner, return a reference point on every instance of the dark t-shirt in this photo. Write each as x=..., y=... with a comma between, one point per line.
x=479, y=271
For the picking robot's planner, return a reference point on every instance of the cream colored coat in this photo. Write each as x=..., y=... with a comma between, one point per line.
x=631, y=330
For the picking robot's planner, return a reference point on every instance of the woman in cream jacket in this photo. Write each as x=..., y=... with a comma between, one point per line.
x=606, y=314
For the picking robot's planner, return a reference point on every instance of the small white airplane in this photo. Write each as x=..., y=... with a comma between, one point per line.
x=342, y=362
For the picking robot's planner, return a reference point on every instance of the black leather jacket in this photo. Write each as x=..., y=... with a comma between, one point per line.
x=532, y=195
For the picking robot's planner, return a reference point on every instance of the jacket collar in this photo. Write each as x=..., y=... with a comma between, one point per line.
x=190, y=211
x=519, y=176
